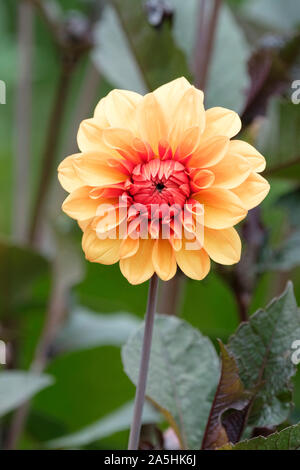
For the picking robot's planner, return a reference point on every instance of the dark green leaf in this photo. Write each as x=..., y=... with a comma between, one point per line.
x=288, y=439
x=19, y=268
x=290, y=202
x=131, y=53
x=279, y=139
x=228, y=62
x=263, y=348
x=281, y=15
x=283, y=258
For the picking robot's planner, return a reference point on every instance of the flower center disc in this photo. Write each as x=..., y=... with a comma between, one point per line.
x=160, y=182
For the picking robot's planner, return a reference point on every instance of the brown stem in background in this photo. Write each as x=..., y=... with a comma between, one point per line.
x=171, y=295
x=55, y=314
x=86, y=101
x=23, y=121
x=48, y=162
x=205, y=40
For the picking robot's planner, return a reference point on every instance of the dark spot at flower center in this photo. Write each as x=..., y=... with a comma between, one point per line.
x=160, y=186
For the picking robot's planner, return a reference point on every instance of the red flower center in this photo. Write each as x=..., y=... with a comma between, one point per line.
x=160, y=182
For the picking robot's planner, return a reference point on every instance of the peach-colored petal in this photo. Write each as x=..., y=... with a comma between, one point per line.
x=255, y=158
x=111, y=217
x=123, y=142
x=95, y=172
x=104, y=251
x=194, y=263
x=151, y=121
x=231, y=171
x=221, y=121
x=163, y=259
x=118, y=109
x=189, y=113
x=139, y=267
x=79, y=205
x=253, y=191
x=83, y=224
x=209, y=152
x=67, y=175
x=190, y=141
x=129, y=247
x=170, y=94
x=222, y=208
x=201, y=179
x=223, y=246
x=90, y=138
x=100, y=114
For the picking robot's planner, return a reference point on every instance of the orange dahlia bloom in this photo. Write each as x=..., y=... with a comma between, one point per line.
x=161, y=150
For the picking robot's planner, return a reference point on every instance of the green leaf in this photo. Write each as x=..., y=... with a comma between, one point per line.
x=263, y=348
x=229, y=63
x=288, y=439
x=113, y=55
x=19, y=268
x=279, y=139
x=283, y=258
x=131, y=53
x=86, y=329
x=183, y=375
x=228, y=73
x=282, y=15
x=117, y=421
x=17, y=386
x=230, y=395
x=290, y=202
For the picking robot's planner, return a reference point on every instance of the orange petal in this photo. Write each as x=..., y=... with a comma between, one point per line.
x=119, y=108
x=189, y=113
x=151, y=121
x=221, y=121
x=67, y=175
x=252, y=191
x=139, y=267
x=129, y=247
x=104, y=251
x=95, y=172
x=163, y=259
x=223, y=246
x=79, y=205
x=194, y=263
x=256, y=159
x=222, y=208
x=209, y=152
x=231, y=171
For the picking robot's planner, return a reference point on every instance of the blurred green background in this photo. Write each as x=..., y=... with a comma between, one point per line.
x=135, y=45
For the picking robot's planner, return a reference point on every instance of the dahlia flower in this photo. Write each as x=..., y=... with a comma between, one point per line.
x=169, y=171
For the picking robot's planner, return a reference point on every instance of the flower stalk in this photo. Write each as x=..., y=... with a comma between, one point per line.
x=144, y=365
